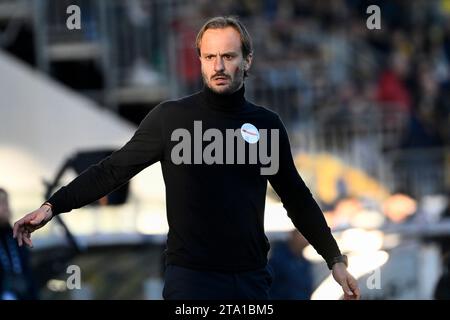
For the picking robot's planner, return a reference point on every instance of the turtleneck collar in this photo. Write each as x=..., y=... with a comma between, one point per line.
x=224, y=102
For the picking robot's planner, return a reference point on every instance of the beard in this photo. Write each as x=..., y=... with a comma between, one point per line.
x=232, y=86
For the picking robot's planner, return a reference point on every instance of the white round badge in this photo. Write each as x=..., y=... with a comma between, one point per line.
x=249, y=133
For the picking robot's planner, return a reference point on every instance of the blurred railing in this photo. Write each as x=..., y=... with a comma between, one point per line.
x=420, y=171
x=56, y=42
x=138, y=69
x=373, y=144
x=128, y=41
x=283, y=90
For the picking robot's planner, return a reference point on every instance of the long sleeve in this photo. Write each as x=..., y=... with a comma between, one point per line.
x=142, y=150
x=299, y=203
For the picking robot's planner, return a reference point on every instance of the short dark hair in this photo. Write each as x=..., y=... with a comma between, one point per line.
x=222, y=22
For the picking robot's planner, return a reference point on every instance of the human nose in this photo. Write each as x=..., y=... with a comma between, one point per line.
x=218, y=64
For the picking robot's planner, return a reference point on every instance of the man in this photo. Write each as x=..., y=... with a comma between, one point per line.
x=16, y=281
x=215, y=193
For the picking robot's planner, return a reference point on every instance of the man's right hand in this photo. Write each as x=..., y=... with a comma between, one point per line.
x=30, y=223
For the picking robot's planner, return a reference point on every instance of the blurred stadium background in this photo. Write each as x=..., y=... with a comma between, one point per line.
x=367, y=112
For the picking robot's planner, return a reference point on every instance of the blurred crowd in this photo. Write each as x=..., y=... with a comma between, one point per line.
x=343, y=69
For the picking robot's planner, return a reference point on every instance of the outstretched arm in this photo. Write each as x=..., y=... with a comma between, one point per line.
x=142, y=150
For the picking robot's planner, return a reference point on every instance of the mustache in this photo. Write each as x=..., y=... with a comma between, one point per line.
x=220, y=75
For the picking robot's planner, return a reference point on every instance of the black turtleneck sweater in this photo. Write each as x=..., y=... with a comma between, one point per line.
x=215, y=211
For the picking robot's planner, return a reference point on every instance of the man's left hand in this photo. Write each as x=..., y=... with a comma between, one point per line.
x=346, y=281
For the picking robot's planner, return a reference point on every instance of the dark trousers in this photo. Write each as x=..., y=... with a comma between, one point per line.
x=182, y=283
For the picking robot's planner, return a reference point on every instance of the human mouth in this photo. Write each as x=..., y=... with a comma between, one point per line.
x=220, y=80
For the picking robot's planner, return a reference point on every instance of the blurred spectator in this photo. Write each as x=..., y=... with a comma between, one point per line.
x=391, y=87
x=292, y=274
x=188, y=63
x=16, y=281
